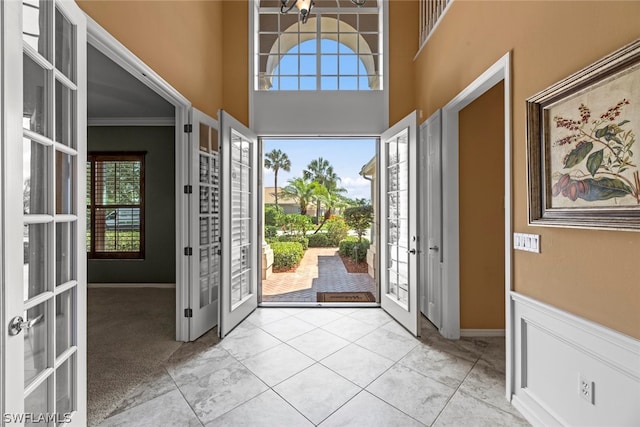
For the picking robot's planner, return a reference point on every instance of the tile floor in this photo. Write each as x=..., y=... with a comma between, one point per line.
x=320, y=270
x=327, y=367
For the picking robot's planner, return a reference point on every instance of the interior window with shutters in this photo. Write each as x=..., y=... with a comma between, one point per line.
x=115, y=205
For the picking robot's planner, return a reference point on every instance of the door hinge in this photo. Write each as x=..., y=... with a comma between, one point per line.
x=188, y=251
x=219, y=252
x=188, y=312
x=188, y=189
x=188, y=128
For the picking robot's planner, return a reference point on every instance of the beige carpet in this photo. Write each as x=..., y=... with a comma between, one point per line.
x=130, y=334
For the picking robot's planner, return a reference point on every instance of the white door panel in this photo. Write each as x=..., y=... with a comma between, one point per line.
x=431, y=136
x=240, y=242
x=204, y=225
x=399, y=240
x=44, y=212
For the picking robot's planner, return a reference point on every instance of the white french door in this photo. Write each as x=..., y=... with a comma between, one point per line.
x=399, y=240
x=431, y=141
x=240, y=242
x=44, y=213
x=205, y=227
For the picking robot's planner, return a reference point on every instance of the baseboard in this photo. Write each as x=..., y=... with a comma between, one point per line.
x=554, y=351
x=132, y=285
x=482, y=332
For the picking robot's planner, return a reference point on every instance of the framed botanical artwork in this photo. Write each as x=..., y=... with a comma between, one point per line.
x=583, y=154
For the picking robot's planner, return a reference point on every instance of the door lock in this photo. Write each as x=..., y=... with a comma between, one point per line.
x=17, y=324
x=434, y=248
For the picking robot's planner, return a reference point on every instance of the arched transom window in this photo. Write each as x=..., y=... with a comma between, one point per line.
x=339, y=48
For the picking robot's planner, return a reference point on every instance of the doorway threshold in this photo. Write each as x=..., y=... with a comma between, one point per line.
x=319, y=304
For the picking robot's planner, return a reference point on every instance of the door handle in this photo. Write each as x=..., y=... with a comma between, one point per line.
x=17, y=324
x=412, y=252
x=434, y=248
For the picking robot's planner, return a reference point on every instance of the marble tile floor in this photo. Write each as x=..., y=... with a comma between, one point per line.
x=325, y=367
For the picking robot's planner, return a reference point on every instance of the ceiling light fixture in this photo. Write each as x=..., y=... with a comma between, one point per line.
x=304, y=6
x=359, y=3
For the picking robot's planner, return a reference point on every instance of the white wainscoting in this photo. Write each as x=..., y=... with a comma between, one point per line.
x=552, y=349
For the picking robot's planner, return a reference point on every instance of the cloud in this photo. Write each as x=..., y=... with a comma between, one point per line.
x=357, y=187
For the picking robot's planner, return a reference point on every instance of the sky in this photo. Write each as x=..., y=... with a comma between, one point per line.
x=347, y=156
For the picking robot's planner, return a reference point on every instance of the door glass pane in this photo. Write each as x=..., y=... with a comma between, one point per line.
x=36, y=244
x=34, y=91
x=64, y=252
x=35, y=175
x=204, y=138
x=204, y=231
x=204, y=168
x=36, y=346
x=34, y=25
x=64, y=183
x=37, y=403
x=204, y=277
x=65, y=319
x=64, y=46
x=64, y=115
x=65, y=390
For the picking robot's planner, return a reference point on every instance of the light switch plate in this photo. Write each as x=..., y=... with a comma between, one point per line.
x=526, y=242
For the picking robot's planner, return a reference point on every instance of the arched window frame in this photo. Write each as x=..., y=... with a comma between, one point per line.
x=325, y=23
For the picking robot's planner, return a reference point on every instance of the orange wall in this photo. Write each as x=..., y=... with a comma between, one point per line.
x=481, y=127
x=179, y=40
x=403, y=30
x=593, y=274
x=235, y=59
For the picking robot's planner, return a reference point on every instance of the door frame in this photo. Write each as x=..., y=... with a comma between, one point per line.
x=108, y=45
x=499, y=71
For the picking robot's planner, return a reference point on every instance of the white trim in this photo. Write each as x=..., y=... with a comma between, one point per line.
x=131, y=121
x=424, y=43
x=132, y=285
x=482, y=333
x=99, y=38
x=554, y=349
x=500, y=71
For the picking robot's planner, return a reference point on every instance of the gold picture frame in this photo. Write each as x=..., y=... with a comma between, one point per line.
x=583, y=153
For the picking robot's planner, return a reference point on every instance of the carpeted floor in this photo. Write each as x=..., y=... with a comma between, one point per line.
x=130, y=334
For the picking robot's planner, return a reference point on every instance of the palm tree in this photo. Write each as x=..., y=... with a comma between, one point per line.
x=301, y=190
x=321, y=171
x=276, y=160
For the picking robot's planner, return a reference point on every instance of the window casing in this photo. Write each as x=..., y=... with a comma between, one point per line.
x=115, y=205
x=339, y=48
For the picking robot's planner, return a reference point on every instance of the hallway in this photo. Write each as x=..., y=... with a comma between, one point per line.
x=329, y=367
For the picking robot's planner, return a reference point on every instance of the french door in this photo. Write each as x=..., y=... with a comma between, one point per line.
x=205, y=231
x=44, y=213
x=399, y=241
x=240, y=243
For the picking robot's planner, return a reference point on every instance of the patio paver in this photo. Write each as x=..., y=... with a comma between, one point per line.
x=321, y=270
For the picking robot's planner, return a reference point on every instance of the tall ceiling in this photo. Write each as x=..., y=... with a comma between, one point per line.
x=113, y=92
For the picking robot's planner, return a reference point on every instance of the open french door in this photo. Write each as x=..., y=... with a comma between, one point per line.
x=43, y=213
x=399, y=239
x=205, y=228
x=240, y=243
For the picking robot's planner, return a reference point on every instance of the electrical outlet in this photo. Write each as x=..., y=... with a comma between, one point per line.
x=587, y=390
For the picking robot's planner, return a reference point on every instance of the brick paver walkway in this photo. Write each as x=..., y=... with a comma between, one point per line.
x=321, y=270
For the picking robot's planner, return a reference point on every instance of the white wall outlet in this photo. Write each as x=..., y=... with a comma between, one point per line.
x=526, y=242
x=587, y=389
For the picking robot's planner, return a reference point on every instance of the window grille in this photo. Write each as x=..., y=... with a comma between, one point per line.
x=115, y=205
x=339, y=48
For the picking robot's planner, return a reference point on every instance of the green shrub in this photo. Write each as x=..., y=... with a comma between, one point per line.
x=337, y=230
x=295, y=238
x=286, y=254
x=272, y=215
x=296, y=224
x=320, y=240
x=348, y=245
x=270, y=231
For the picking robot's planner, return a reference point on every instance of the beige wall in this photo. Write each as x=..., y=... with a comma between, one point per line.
x=179, y=40
x=235, y=59
x=481, y=127
x=593, y=274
